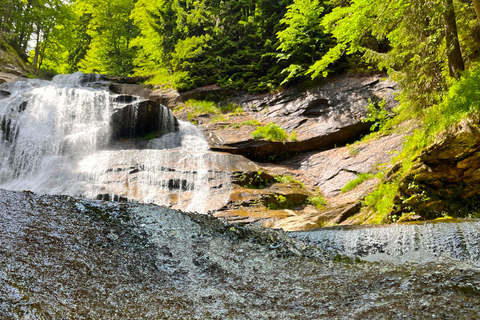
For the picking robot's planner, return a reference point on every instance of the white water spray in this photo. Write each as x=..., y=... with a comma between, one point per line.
x=403, y=243
x=55, y=138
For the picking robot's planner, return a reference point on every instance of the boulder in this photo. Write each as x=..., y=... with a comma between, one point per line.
x=143, y=119
x=323, y=117
x=167, y=97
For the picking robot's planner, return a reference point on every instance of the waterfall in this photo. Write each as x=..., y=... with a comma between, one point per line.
x=66, y=137
x=404, y=242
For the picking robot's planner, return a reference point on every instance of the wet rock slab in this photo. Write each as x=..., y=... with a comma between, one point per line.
x=63, y=257
x=323, y=117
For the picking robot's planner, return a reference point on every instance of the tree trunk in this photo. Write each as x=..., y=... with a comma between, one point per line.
x=476, y=4
x=455, y=60
x=37, y=49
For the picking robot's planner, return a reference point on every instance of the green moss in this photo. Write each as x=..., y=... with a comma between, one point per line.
x=219, y=118
x=362, y=177
x=293, y=136
x=289, y=179
x=253, y=122
x=318, y=201
x=270, y=132
x=199, y=107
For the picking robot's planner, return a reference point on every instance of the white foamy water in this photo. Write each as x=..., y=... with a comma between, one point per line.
x=402, y=243
x=55, y=138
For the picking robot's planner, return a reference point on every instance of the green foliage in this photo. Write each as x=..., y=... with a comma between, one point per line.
x=202, y=42
x=280, y=202
x=461, y=101
x=303, y=41
x=271, y=132
x=219, y=118
x=397, y=36
x=318, y=201
x=377, y=114
x=255, y=180
x=202, y=107
x=289, y=179
x=362, y=177
x=198, y=107
x=293, y=136
x=381, y=200
x=253, y=122
x=111, y=30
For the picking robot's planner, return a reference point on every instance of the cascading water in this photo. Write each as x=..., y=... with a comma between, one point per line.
x=56, y=136
x=422, y=243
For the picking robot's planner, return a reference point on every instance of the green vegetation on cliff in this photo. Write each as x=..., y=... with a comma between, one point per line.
x=461, y=103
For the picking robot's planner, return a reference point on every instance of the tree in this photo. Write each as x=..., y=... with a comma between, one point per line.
x=111, y=31
x=303, y=41
x=454, y=54
x=422, y=43
x=476, y=4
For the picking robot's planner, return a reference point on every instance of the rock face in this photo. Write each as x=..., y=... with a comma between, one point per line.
x=190, y=181
x=11, y=64
x=329, y=171
x=445, y=177
x=323, y=117
x=141, y=119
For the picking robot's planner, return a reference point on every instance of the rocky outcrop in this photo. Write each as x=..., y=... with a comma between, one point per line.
x=136, y=86
x=323, y=117
x=12, y=66
x=445, y=177
x=331, y=170
x=141, y=119
x=328, y=172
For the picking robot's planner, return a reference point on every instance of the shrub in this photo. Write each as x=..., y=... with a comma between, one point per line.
x=381, y=200
x=318, y=201
x=377, y=114
x=271, y=132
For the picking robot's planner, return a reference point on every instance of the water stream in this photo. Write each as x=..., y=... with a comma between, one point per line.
x=419, y=243
x=56, y=138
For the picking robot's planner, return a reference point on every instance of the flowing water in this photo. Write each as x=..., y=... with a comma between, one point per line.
x=67, y=258
x=57, y=137
x=420, y=243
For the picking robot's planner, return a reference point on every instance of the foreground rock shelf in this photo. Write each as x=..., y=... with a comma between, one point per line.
x=63, y=257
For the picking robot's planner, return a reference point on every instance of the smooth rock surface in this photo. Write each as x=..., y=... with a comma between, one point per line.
x=323, y=117
x=141, y=119
x=63, y=257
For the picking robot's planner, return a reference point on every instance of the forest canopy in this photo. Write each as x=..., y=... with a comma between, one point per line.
x=254, y=45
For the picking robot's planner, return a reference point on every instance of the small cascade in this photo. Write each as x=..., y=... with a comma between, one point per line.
x=70, y=137
x=402, y=243
x=77, y=79
x=45, y=125
x=177, y=171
